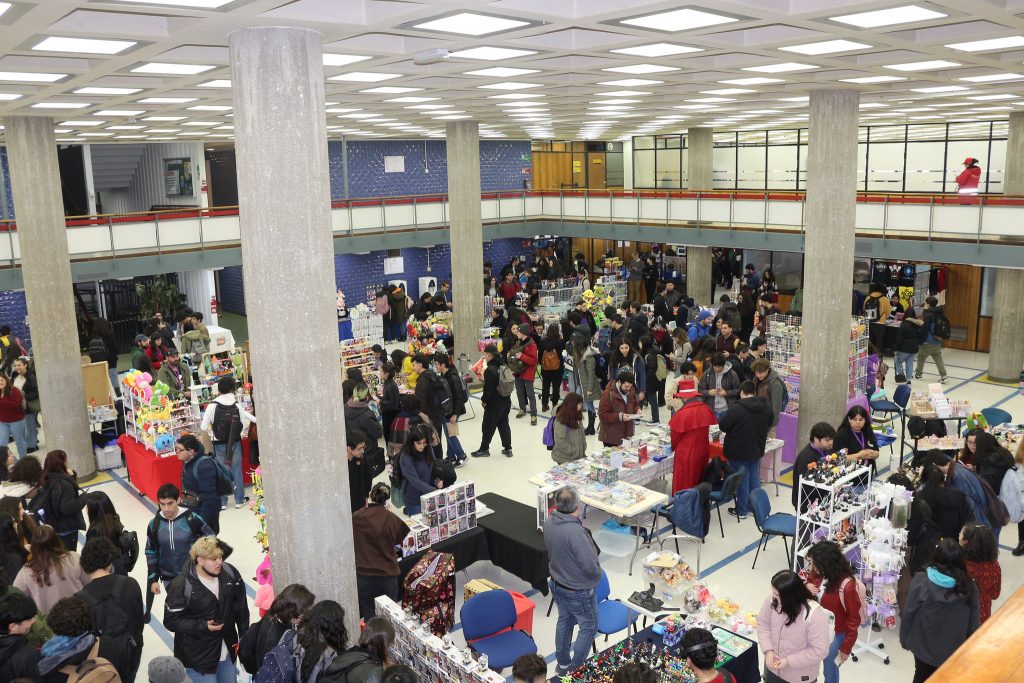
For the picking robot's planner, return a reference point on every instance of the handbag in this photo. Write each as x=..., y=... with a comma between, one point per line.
x=429, y=591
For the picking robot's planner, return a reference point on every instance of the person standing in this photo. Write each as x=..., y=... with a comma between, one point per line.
x=792, y=630
x=140, y=360
x=551, y=367
x=719, y=386
x=358, y=477
x=52, y=571
x=169, y=536
x=417, y=465
x=689, y=433
x=570, y=439
x=768, y=384
x=227, y=424
x=18, y=657
x=290, y=608
x=12, y=416
x=116, y=603
x=967, y=180
x=58, y=499
x=981, y=556
x=207, y=612
x=933, y=331
x=746, y=425
x=650, y=275
x=435, y=399
x=376, y=530
x=522, y=360
x=459, y=398
x=390, y=398
x=908, y=343
x=178, y=379
x=618, y=410
x=580, y=359
x=941, y=611
x=838, y=594
x=199, y=479
x=575, y=572
x=497, y=406
x=25, y=382
x=365, y=661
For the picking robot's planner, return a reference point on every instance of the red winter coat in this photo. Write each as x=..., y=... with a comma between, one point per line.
x=508, y=291
x=968, y=180
x=10, y=407
x=689, y=430
x=530, y=359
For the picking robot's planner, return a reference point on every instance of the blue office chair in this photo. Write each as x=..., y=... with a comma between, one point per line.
x=726, y=495
x=896, y=406
x=769, y=524
x=612, y=615
x=485, y=619
x=996, y=416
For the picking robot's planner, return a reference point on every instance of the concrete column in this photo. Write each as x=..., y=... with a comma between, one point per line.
x=830, y=212
x=1006, y=351
x=90, y=185
x=46, y=270
x=699, y=173
x=288, y=261
x=463, y=149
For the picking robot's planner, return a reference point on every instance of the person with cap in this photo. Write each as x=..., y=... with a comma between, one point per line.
x=140, y=360
x=167, y=670
x=700, y=327
x=689, y=433
x=177, y=378
x=967, y=181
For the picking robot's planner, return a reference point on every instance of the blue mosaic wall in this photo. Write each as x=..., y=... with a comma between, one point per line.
x=5, y=178
x=426, y=167
x=14, y=312
x=232, y=293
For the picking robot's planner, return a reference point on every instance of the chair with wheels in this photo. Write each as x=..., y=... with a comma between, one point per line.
x=726, y=495
x=488, y=624
x=996, y=416
x=612, y=615
x=770, y=524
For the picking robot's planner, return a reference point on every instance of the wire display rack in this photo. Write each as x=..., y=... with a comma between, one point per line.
x=833, y=509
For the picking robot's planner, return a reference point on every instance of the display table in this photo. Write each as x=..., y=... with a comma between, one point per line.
x=513, y=542
x=148, y=471
x=467, y=548
x=344, y=329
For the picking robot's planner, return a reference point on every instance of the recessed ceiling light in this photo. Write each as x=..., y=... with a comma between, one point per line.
x=755, y=80
x=929, y=65
x=873, y=79
x=985, y=98
x=97, y=135
x=427, y=107
x=615, y=101
x=630, y=82
x=203, y=124
x=624, y=93
x=697, y=107
x=9, y=96
x=390, y=90
x=989, y=78
x=30, y=77
x=86, y=45
x=491, y=53
x=342, y=110
x=510, y=85
x=93, y=90
x=4, y=6
x=641, y=69
x=119, y=112
x=712, y=100
x=61, y=105
x=125, y=127
x=940, y=89
x=172, y=69
x=210, y=107
x=500, y=72
x=202, y=4
x=515, y=96
x=873, y=105
x=364, y=77
x=826, y=47
x=81, y=124
x=164, y=130
x=782, y=67
x=728, y=91
x=166, y=100
x=220, y=83
x=164, y=118
x=992, y=44
x=889, y=17
x=678, y=20
x=131, y=137
x=412, y=99
x=363, y=115
x=515, y=104
x=471, y=24
x=331, y=59
x=657, y=50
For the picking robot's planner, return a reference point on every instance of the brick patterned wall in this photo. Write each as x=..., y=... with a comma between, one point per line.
x=14, y=312
x=426, y=167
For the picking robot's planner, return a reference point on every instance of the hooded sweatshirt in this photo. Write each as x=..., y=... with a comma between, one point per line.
x=746, y=426
x=726, y=379
x=168, y=542
x=572, y=553
x=936, y=619
x=60, y=651
x=771, y=387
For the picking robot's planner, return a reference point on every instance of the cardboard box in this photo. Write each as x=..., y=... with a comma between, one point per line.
x=478, y=586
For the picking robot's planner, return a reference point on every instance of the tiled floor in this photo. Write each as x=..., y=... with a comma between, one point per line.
x=726, y=562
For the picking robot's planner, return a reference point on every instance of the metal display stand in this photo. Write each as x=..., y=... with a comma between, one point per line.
x=838, y=508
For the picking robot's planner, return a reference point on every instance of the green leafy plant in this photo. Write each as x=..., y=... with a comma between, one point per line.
x=158, y=294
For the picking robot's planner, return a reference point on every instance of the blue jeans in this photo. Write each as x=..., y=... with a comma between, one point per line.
x=751, y=481
x=830, y=666
x=31, y=430
x=455, y=449
x=904, y=364
x=574, y=607
x=574, y=389
x=17, y=430
x=226, y=673
x=220, y=450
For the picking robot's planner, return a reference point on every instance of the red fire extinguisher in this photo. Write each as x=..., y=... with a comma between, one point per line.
x=213, y=304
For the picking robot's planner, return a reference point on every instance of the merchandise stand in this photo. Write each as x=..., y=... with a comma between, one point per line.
x=367, y=325
x=156, y=422
x=613, y=286
x=829, y=510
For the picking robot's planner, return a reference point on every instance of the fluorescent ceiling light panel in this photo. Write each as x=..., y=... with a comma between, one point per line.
x=712, y=100
x=164, y=118
x=630, y=82
x=987, y=98
x=826, y=47
x=657, y=50
x=509, y=85
x=873, y=79
x=30, y=77
x=515, y=96
x=81, y=124
x=364, y=77
x=471, y=24
x=93, y=90
x=491, y=54
x=166, y=68
x=501, y=72
x=641, y=69
x=97, y=135
x=166, y=100
x=678, y=20
x=429, y=107
x=728, y=91
x=125, y=127
x=203, y=124
x=940, y=89
x=202, y=4
x=991, y=44
x=61, y=105
x=93, y=46
x=929, y=65
x=390, y=90
x=8, y=97
x=4, y=6
x=990, y=78
x=889, y=17
x=220, y=83
x=624, y=93
x=412, y=99
x=782, y=67
x=615, y=101
x=210, y=107
x=119, y=112
x=164, y=130
x=754, y=80
x=331, y=59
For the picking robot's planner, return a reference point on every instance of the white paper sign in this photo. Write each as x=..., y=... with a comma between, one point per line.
x=394, y=164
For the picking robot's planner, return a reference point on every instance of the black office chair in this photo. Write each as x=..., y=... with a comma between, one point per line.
x=727, y=494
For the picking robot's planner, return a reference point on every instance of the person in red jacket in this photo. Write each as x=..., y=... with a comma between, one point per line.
x=689, y=433
x=980, y=553
x=832, y=576
x=12, y=415
x=967, y=181
x=522, y=360
x=508, y=289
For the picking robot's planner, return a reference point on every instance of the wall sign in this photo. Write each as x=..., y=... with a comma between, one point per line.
x=394, y=265
x=394, y=164
x=178, y=177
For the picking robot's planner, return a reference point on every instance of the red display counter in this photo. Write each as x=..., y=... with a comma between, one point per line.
x=148, y=471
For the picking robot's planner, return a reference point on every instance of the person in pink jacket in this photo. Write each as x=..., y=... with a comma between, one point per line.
x=793, y=631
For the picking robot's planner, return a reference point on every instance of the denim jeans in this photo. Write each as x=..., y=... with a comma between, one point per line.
x=226, y=673
x=17, y=430
x=220, y=450
x=751, y=481
x=574, y=607
x=575, y=389
x=455, y=449
x=831, y=669
x=31, y=430
x=904, y=364
x=525, y=390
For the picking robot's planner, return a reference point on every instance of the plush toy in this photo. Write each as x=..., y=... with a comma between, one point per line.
x=164, y=442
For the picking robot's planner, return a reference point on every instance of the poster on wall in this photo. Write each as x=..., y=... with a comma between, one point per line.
x=394, y=265
x=394, y=164
x=178, y=177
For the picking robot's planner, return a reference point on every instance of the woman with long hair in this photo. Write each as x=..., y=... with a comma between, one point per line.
x=626, y=356
x=748, y=310
x=570, y=440
x=62, y=508
x=289, y=609
x=25, y=524
x=583, y=378
x=991, y=461
x=981, y=556
x=390, y=404
x=12, y=415
x=792, y=630
x=52, y=571
x=364, y=662
x=417, y=463
x=854, y=434
x=322, y=638
x=551, y=368
x=938, y=511
x=970, y=447
x=941, y=612
x=838, y=594
x=12, y=549
x=25, y=381
x=105, y=522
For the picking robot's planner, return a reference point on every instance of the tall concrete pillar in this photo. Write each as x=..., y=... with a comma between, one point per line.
x=463, y=148
x=1006, y=351
x=700, y=175
x=46, y=271
x=828, y=256
x=288, y=260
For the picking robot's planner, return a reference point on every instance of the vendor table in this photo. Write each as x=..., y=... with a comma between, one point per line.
x=148, y=471
x=468, y=547
x=513, y=541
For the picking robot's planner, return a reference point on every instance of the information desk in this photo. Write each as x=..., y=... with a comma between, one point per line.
x=148, y=471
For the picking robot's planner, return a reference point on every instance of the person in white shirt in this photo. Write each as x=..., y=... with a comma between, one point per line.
x=227, y=424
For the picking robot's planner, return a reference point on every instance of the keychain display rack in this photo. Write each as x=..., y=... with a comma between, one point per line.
x=357, y=353
x=367, y=325
x=615, y=287
x=157, y=426
x=832, y=507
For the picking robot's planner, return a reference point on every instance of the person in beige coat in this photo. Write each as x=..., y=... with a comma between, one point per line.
x=52, y=572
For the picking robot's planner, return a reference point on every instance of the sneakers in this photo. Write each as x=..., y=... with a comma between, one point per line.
x=544, y=408
x=457, y=462
x=483, y=453
x=507, y=452
x=533, y=420
x=732, y=511
x=561, y=670
x=223, y=506
x=942, y=380
x=240, y=505
x=521, y=413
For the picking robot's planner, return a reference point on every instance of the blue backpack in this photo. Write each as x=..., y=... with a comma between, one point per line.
x=278, y=665
x=225, y=485
x=548, y=437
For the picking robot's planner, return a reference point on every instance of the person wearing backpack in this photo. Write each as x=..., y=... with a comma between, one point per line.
x=364, y=662
x=497, y=402
x=207, y=612
x=196, y=341
x=290, y=608
x=768, y=384
x=227, y=424
x=58, y=499
x=74, y=648
x=934, y=330
x=551, y=368
x=116, y=604
x=105, y=522
x=876, y=310
x=435, y=397
x=169, y=535
x=792, y=631
x=459, y=396
x=199, y=479
x=841, y=593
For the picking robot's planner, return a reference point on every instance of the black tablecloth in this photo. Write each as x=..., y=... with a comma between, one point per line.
x=513, y=541
x=467, y=547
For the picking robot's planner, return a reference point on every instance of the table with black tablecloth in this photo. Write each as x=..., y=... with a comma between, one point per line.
x=513, y=541
x=468, y=547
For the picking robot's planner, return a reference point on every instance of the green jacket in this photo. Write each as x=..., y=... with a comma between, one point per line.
x=140, y=361
x=166, y=376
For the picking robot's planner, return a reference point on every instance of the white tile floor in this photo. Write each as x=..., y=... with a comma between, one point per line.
x=726, y=562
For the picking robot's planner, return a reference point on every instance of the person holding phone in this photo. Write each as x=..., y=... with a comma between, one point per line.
x=618, y=409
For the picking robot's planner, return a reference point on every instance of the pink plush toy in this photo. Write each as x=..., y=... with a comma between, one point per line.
x=265, y=592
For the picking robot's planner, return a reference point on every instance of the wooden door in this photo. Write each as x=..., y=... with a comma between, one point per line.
x=552, y=170
x=963, y=301
x=596, y=173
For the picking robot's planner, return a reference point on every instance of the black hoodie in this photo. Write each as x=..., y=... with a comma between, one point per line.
x=17, y=658
x=746, y=425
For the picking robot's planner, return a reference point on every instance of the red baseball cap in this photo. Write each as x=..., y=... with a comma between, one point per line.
x=970, y=160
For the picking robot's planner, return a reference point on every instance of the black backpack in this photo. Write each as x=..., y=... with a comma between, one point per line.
x=871, y=307
x=128, y=543
x=227, y=423
x=110, y=622
x=942, y=329
x=442, y=394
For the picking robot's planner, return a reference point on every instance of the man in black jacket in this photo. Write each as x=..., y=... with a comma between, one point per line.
x=822, y=437
x=18, y=658
x=746, y=426
x=496, y=406
x=459, y=397
x=116, y=603
x=207, y=612
x=433, y=399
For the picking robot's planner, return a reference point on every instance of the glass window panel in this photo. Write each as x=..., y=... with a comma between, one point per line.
x=671, y=142
x=643, y=168
x=885, y=166
x=957, y=151
x=968, y=131
x=1000, y=129
x=924, y=166
x=988, y=291
x=724, y=138
x=802, y=151
x=683, y=175
x=782, y=167
x=667, y=168
x=643, y=142
x=862, y=134
x=751, y=167
x=724, y=161
x=788, y=269
x=926, y=132
x=782, y=137
x=996, y=167
x=862, y=163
